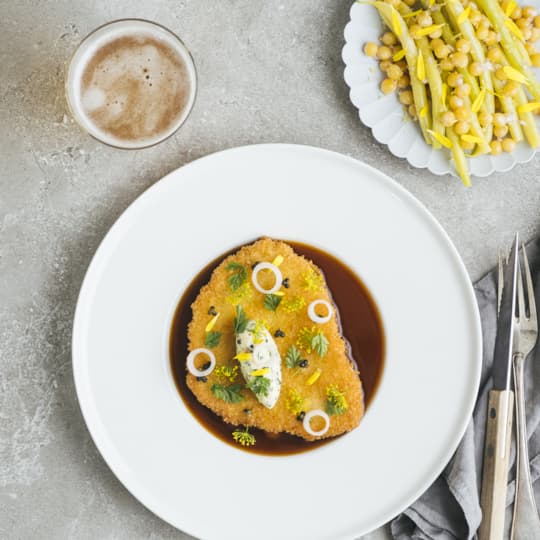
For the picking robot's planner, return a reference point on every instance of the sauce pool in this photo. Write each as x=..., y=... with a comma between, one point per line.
x=360, y=324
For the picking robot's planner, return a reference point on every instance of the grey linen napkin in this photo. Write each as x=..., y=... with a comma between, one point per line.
x=450, y=508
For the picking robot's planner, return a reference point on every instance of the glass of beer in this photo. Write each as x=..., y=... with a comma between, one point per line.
x=131, y=83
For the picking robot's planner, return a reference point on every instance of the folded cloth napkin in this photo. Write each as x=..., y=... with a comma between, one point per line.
x=450, y=508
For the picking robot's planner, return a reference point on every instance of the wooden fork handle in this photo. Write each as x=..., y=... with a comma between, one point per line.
x=496, y=457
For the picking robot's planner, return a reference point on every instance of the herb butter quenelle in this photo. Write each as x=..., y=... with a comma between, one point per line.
x=260, y=346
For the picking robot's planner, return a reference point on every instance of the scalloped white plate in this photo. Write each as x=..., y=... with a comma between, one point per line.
x=386, y=116
x=140, y=424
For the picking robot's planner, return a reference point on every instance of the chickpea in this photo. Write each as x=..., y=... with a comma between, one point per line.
x=403, y=65
x=535, y=34
x=496, y=148
x=492, y=38
x=448, y=118
x=424, y=19
x=461, y=128
x=485, y=118
x=523, y=23
x=536, y=21
x=370, y=49
x=462, y=113
x=463, y=45
x=482, y=33
x=529, y=12
x=459, y=59
x=455, y=102
x=510, y=88
x=476, y=69
x=516, y=14
x=475, y=17
x=404, y=81
x=437, y=33
x=394, y=72
x=531, y=49
x=500, y=74
x=384, y=52
x=535, y=59
x=406, y=97
x=463, y=91
x=435, y=43
x=388, y=38
x=494, y=55
x=499, y=119
x=484, y=23
x=508, y=145
x=454, y=79
x=415, y=30
x=442, y=51
x=526, y=33
x=410, y=3
x=446, y=65
x=412, y=111
x=388, y=86
x=466, y=145
x=500, y=131
x=384, y=65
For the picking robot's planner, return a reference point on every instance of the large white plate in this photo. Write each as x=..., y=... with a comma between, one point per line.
x=120, y=346
x=385, y=114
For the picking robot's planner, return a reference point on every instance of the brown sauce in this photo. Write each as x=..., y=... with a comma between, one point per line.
x=361, y=325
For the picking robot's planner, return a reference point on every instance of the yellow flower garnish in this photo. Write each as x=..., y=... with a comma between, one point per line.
x=314, y=376
x=464, y=15
x=258, y=331
x=528, y=107
x=479, y=100
x=242, y=357
x=313, y=281
x=244, y=437
x=260, y=372
x=423, y=111
x=293, y=304
x=514, y=28
x=471, y=138
x=399, y=55
x=439, y=137
x=212, y=322
x=335, y=400
x=240, y=295
x=226, y=372
x=515, y=75
x=295, y=403
x=278, y=260
x=420, y=68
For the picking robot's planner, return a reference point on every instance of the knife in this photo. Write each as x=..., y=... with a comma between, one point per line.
x=500, y=410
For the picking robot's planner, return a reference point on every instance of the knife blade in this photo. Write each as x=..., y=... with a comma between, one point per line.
x=500, y=410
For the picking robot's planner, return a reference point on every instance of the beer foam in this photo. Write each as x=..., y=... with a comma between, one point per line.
x=134, y=87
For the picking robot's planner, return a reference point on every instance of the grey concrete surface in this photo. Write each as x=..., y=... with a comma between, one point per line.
x=269, y=71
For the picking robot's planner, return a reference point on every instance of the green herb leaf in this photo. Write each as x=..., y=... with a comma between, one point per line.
x=335, y=400
x=240, y=321
x=259, y=385
x=230, y=394
x=271, y=301
x=238, y=276
x=319, y=344
x=243, y=437
x=292, y=357
x=211, y=339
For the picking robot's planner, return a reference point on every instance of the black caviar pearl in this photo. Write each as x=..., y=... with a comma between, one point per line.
x=202, y=379
x=279, y=333
x=286, y=283
x=301, y=416
x=247, y=411
x=303, y=363
x=206, y=365
x=212, y=311
x=254, y=265
x=251, y=347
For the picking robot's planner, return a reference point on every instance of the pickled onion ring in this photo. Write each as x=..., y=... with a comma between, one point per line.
x=312, y=414
x=277, y=274
x=191, y=362
x=317, y=318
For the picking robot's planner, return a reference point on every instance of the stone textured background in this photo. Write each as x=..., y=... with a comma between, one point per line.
x=269, y=71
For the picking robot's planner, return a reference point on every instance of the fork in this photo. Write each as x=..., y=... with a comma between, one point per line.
x=525, y=521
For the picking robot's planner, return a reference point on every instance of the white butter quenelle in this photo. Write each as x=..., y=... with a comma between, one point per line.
x=131, y=83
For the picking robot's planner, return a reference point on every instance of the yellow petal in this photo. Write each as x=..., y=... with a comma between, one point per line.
x=242, y=357
x=423, y=112
x=439, y=137
x=314, y=376
x=396, y=26
x=515, y=75
x=278, y=260
x=428, y=29
x=412, y=13
x=431, y=3
x=444, y=92
x=513, y=27
x=471, y=138
x=279, y=293
x=260, y=372
x=479, y=100
x=212, y=322
x=464, y=15
x=510, y=8
x=420, y=68
x=399, y=55
x=528, y=107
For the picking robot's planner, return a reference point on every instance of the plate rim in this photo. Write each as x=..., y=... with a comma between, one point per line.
x=92, y=419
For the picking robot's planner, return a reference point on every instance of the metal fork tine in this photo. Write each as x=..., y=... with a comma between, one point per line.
x=530, y=288
x=500, y=280
x=521, y=312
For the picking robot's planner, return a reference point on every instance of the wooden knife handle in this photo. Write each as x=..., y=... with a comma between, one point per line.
x=496, y=457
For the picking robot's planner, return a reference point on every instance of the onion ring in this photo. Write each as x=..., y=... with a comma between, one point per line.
x=320, y=414
x=277, y=274
x=317, y=318
x=191, y=362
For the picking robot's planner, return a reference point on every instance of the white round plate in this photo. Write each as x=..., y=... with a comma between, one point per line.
x=120, y=346
x=386, y=116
